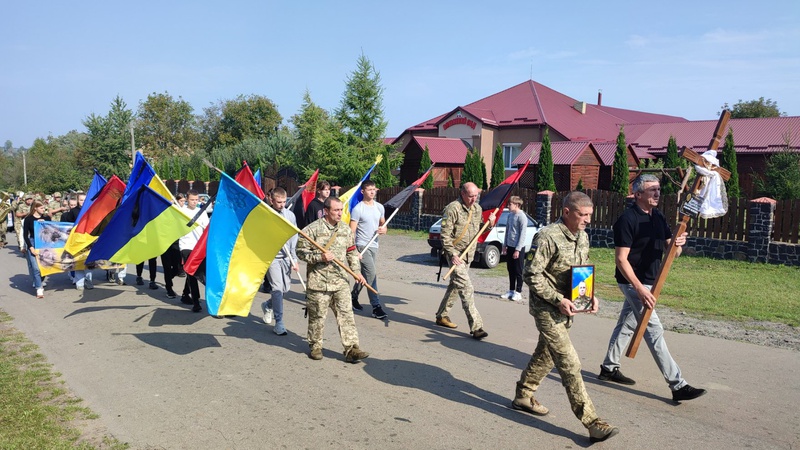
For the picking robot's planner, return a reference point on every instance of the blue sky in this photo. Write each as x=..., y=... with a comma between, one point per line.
x=62, y=61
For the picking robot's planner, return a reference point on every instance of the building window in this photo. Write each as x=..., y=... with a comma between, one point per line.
x=510, y=153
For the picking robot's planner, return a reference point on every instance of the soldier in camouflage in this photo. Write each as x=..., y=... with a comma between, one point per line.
x=55, y=208
x=556, y=248
x=20, y=212
x=461, y=221
x=328, y=283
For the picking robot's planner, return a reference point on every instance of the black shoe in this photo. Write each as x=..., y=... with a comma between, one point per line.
x=171, y=294
x=479, y=334
x=378, y=313
x=687, y=393
x=357, y=305
x=181, y=274
x=139, y=281
x=153, y=285
x=197, y=308
x=186, y=300
x=615, y=375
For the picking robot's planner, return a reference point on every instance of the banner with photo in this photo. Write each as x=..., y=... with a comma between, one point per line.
x=49, y=238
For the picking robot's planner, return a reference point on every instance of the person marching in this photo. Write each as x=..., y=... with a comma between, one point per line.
x=328, y=285
x=557, y=247
x=367, y=219
x=279, y=274
x=36, y=214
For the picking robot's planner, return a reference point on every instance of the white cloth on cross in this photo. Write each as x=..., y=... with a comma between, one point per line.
x=715, y=197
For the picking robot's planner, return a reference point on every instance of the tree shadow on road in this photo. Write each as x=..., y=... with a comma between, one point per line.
x=439, y=382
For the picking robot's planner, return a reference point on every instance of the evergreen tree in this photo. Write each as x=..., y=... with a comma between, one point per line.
x=671, y=161
x=473, y=172
x=108, y=147
x=728, y=161
x=498, y=167
x=449, y=179
x=620, y=176
x=545, y=180
x=484, y=186
x=579, y=187
x=361, y=109
x=424, y=164
x=382, y=175
x=782, y=174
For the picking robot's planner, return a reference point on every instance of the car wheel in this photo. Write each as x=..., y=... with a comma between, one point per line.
x=491, y=257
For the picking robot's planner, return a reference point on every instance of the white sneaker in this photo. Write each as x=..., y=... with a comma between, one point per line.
x=517, y=297
x=267, y=313
x=507, y=295
x=40, y=293
x=279, y=329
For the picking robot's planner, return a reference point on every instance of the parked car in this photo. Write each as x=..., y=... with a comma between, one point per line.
x=205, y=198
x=489, y=251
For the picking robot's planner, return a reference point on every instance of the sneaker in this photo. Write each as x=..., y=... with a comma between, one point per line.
x=479, y=334
x=40, y=293
x=355, y=354
x=153, y=285
x=139, y=281
x=601, y=430
x=171, y=294
x=196, y=308
x=378, y=313
x=444, y=321
x=186, y=300
x=88, y=284
x=517, y=297
x=181, y=274
x=530, y=405
x=507, y=295
x=119, y=281
x=316, y=354
x=615, y=375
x=44, y=282
x=268, y=314
x=687, y=393
x=357, y=305
x=279, y=329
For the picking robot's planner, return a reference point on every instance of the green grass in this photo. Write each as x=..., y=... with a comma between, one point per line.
x=408, y=233
x=36, y=412
x=721, y=289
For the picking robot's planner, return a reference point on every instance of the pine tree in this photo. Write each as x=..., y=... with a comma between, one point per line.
x=450, y=179
x=471, y=168
x=728, y=161
x=671, y=161
x=498, y=167
x=483, y=174
x=546, y=181
x=424, y=164
x=620, y=177
x=579, y=187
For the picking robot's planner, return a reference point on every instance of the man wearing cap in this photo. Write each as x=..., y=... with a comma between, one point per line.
x=22, y=210
x=55, y=208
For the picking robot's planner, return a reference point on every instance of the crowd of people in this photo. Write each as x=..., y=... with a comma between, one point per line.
x=641, y=235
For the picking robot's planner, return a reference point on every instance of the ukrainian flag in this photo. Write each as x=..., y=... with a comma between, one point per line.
x=144, y=175
x=94, y=217
x=351, y=198
x=143, y=227
x=243, y=238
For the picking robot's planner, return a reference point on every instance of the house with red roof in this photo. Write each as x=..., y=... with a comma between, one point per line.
x=583, y=137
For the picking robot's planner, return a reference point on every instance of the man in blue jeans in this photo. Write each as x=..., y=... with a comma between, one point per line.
x=641, y=235
x=367, y=220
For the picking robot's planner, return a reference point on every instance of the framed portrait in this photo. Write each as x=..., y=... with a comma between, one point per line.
x=582, y=288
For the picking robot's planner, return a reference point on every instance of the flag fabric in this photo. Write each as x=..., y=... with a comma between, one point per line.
x=310, y=190
x=143, y=174
x=306, y=192
x=351, y=198
x=49, y=239
x=98, y=181
x=143, y=227
x=498, y=197
x=244, y=236
x=95, y=217
x=257, y=176
x=398, y=200
x=245, y=178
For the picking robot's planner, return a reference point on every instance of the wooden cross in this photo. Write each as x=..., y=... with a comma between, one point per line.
x=689, y=208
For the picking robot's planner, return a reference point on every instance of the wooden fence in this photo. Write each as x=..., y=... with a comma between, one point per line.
x=787, y=220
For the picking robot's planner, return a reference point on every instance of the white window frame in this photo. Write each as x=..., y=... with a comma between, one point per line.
x=514, y=148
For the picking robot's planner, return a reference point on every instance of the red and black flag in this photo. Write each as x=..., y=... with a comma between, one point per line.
x=396, y=202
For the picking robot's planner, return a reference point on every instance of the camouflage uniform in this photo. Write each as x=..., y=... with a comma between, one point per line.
x=53, y=205
x=328, y=285
x=24, y=208
x=456, y=216
x=547, y=273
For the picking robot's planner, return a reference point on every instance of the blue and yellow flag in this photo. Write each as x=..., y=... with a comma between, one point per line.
x=143, y=227
x=144, y=175
x=243, y=238
x=351, y=198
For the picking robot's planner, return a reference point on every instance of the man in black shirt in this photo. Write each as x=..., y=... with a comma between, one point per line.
x=641, y=235
x=315, y=208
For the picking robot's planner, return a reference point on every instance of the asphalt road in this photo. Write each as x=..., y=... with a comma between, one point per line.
x=162, y=377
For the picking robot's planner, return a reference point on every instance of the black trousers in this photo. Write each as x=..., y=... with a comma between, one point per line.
x=171, y=261
x=515, y=269
x=190, y=288
x=152, y=266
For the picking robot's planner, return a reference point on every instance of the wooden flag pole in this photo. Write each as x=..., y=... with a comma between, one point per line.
x=471, y=243
x=672, y=250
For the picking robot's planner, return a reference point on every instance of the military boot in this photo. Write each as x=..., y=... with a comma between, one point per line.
x=355, y=354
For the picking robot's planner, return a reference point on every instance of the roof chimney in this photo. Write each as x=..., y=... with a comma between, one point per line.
x=599, y=97
x=580, y=107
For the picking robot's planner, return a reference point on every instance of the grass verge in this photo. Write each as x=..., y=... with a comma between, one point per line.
x=36, y=411
x=721, y=289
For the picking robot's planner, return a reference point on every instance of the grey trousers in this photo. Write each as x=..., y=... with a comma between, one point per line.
x=654, y=337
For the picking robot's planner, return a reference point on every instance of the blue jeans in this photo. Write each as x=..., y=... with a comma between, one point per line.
x=33, y=269
x=629, y=317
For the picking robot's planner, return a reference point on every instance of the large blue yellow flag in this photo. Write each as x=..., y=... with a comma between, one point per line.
x=143, y=174
x=143, y=227
x=351, y=198
x=243, y=238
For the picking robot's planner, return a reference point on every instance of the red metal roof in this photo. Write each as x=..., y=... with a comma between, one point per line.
x=564, y=152
x=444, y=150
x=761, y=135
x=606, y=151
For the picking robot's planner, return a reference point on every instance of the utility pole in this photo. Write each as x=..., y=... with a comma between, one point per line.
x=24, y=168
x=133, y=146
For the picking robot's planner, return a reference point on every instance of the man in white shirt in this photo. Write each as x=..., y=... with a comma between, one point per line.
x=366, y=220
x=191, y=290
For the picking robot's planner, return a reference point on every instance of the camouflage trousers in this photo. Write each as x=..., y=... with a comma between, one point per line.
x=461, y=287
x=555, y=349
x=317, y=305
x=18, y=233
x=3, y=234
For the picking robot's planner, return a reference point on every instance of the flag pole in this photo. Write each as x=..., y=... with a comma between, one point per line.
x=375, y=235
x=336, y=260
x=299, y=276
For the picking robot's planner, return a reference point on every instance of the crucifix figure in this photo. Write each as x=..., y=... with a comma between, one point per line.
x=694, y=202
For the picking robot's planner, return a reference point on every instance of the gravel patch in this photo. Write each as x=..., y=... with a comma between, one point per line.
x=408, y=260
